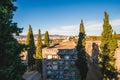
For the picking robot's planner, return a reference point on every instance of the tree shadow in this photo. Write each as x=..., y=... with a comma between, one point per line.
x=95, y=53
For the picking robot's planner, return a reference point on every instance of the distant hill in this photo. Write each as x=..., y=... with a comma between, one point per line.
x=88, y=38
x=51, y=36
x=94, y=38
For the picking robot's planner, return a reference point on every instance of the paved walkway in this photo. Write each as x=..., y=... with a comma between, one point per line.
x=33, y=75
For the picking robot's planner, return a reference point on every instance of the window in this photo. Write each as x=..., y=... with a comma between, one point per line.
x=72, y=62
x=54, y=57
x=49, y=72
x=66, y=57
x=55, y=67
x=66, y=62
x=61, y=62
x=61, y=67
x=48, y=62
x=66, y=68
x=54, y=62
x=49, y=57
x=49, y=67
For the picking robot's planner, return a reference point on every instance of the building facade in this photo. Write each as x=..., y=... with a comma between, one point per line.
x=59, y=64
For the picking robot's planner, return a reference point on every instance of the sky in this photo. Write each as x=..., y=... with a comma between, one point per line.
x=63, y=17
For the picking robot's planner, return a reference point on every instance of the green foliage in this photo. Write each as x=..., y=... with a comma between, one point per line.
x=31, y=48
x=81, y=61
x=38, y=55
x=113, y=44
x=39, y=65
x=11, y=66
x=82, y=27
x=46, y=39
x=107, y=46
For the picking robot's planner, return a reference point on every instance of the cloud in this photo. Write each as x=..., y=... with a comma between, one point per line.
x=91, y=28
x=65, y=30
x=115, y=23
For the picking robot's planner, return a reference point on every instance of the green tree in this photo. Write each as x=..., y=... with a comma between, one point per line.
x=46, y=39
x=38, y=55
x=82, y=30
x=107, y=46
x=31, y=48
x=113, y=44
x=11, y=67
x=81, y=61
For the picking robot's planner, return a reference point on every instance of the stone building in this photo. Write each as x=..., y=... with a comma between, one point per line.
x=59, y=62
x=117, y=61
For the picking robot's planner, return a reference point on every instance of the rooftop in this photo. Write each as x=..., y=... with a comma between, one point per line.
x=64, y=45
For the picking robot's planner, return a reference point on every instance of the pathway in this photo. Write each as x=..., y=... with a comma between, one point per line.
x=33, y=75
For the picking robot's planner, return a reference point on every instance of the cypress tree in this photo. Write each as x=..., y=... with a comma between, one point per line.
x=82, y=27
x=11, y=66
x=31, y=48
x=81, y=61
x=107, y=46
x=38, y=55
x=113, y=44
x=46, y=39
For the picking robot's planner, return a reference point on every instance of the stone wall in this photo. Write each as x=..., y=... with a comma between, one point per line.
x=117, y=56
x=91, y=53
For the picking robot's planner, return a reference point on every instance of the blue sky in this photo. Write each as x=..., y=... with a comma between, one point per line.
x=63, y=16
